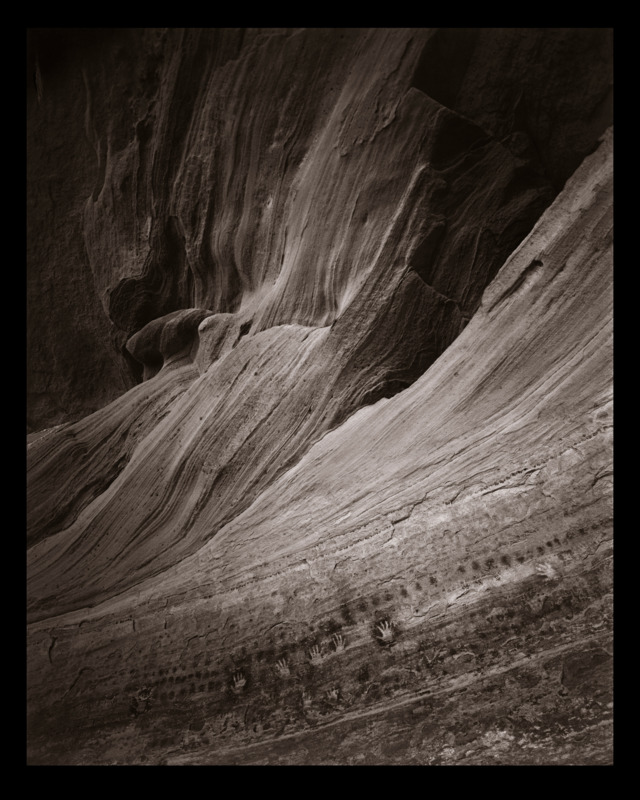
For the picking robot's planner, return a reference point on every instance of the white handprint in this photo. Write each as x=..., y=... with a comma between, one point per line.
x=386, y=632
x=239, y=681
x=339, y=642
x=282, y=668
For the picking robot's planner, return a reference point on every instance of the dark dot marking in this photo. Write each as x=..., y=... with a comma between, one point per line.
x=404, y=592
x=490, y=563
x=418, y=586
x=549, y=544
x=433, y=581
x=331, y=626
x=520, y=559
x=362, y=605
x=505, y=560
x=540, y=550
x=346, y=614
x=375, y=601
x=461, y=568
x=475, y=565
x=388, y=596
x=556, y=540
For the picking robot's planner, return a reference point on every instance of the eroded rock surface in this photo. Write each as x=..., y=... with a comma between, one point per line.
x=359, y=509
x=276, y=171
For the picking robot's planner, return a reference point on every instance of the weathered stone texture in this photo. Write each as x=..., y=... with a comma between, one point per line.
x=324, y=328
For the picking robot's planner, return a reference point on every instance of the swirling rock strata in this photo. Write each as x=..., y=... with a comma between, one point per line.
x=471, y=512
x=338, y=433
x=173, y=169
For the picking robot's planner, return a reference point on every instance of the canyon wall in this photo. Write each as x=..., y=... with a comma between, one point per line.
x=320, y=396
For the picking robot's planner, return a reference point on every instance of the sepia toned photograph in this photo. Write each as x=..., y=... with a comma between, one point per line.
x=319, y=396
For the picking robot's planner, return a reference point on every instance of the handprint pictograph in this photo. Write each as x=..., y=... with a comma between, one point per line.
x=385, y=631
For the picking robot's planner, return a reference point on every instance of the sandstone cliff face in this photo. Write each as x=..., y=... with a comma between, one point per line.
x=262, y=172
x=252, y=554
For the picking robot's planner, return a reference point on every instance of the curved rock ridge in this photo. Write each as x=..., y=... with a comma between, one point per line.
x=166, y=340
x=531, y=375
x=425, y=582
x=264, y=172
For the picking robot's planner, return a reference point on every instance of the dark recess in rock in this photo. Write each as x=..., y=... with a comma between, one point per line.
x=546, y=93
x=444, y=62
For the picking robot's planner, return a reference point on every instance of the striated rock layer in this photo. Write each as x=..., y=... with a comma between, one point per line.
x=253, y=556
x=272, y=173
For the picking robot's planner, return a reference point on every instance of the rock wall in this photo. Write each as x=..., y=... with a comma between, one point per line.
x=260, y=172
x=306, y=530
